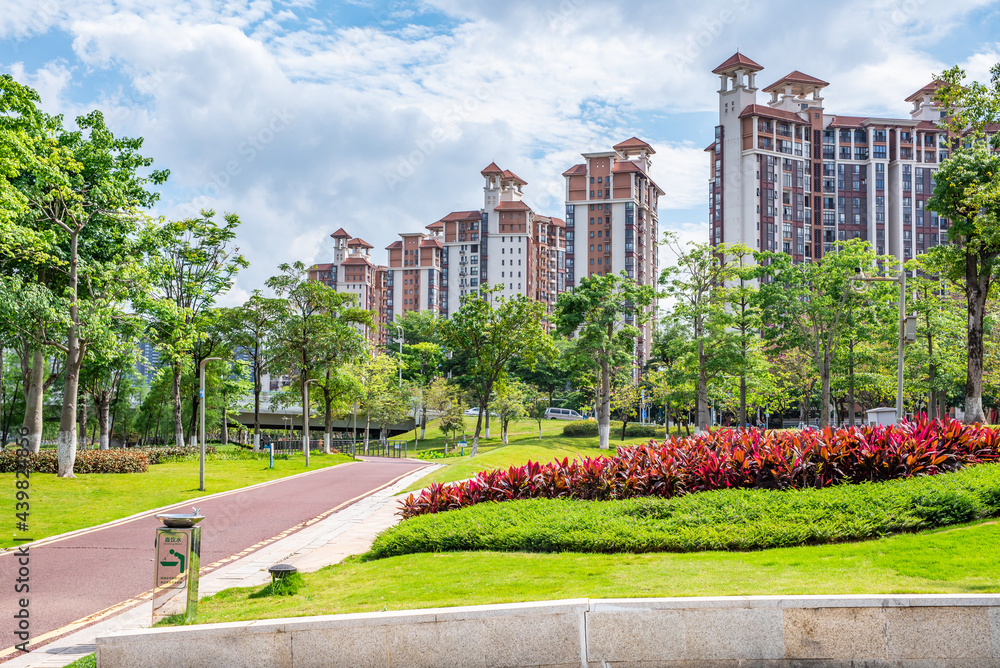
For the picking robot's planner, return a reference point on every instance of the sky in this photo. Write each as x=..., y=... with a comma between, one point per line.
x=304, y=116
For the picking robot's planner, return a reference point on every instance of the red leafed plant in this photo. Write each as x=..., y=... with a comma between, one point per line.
x=731, y=458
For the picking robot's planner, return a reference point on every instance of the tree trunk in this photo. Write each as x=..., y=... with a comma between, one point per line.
x=977, y=283
x=82, y=422
x=368, y=425
x=178, y=414
x=423, y=417
x=704, y=417
x=486, y=411
x=33, y=397
x=475, y=437
x=225, y=422
x=824, y=410
x=850, y=383
x=604, y=407
x=103, y=410
x=66, y=438
x=256, y=410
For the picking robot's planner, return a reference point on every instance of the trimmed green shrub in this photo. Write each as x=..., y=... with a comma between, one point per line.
x=581, y=428
x=731, y=519
x=116, y=460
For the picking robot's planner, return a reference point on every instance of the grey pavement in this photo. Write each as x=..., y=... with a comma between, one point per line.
x=324, y=542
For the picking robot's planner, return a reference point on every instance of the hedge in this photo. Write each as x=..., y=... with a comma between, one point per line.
x=720, y=520
x=117, y=460
x=589, y=428
x=731, y=458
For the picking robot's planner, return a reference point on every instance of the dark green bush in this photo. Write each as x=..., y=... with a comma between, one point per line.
x=718, y=520
x=116, y=460
x=581, y=428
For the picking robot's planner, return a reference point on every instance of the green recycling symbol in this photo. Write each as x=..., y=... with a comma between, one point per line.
x=179, y=556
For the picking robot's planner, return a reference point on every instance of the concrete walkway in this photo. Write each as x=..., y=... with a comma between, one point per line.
x=324, y=542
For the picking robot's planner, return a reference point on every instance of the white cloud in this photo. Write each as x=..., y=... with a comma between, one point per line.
x=263, y=109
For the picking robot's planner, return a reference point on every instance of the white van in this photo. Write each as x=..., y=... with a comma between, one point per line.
x=562, y=414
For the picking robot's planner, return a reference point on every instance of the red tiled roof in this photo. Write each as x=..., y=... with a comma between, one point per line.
x=796, y=77
x=558, y=222
x=358, y=260
x=576, y=170
x=511, y=175
x=928, y=125
x=340, y=233
x=395, y=245
x=847, y=121
x=633, y=142
x=929, y=88
x=710, y=147
x=359, y=242
x=491, y=169
x=737, y=61
x=436, y=226
x=431, y=243
x=512, y=206
x=768, y=112
x=461, y=215
x=322, y=267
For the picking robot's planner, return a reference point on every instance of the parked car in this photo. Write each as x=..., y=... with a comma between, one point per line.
x=562, y=414
x=474, y=412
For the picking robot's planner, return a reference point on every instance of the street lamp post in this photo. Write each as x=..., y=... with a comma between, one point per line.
x=305, y=420
x=201, y=465
x=399, y=331
x=907, y=324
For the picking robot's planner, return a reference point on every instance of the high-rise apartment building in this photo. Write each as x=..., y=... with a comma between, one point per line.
x=612, y=221
x=788, y=176
x=353, y=271
x=611, y=226
x=504, y=243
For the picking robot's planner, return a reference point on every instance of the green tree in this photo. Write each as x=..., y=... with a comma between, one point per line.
x=603, y=314
x=490, y=331
x=251, y=327
x=967, y=192
x=696, y=284
x=746, y=318
x=103, y=372
x=509, y=397
x=442, y=398
x=318, y=329
x=194, y=262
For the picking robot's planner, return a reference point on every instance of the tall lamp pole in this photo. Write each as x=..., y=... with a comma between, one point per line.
x=399, y=331
x=907, y=324
x=201, y=432
x=305, y=420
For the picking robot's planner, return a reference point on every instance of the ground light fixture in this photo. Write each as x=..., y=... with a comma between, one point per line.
x=201, y=466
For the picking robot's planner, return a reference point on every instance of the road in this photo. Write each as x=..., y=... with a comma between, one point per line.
x=90, y=571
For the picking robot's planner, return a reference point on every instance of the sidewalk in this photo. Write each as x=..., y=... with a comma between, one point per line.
x=327, y=541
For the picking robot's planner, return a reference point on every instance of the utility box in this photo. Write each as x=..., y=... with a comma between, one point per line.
x=882, y=416
x=177, y=560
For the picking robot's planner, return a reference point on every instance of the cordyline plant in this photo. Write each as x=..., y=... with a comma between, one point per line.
x=727, y=459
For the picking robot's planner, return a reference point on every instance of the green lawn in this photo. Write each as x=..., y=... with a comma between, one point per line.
x=98, y=498
x=524, y=444
x=952, y=560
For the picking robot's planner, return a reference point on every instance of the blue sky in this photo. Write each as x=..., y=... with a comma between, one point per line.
x=377, y=116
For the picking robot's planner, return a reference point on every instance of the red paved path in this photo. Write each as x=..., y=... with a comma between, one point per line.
x=87, y=573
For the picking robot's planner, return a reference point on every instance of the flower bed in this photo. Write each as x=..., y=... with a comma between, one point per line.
x=731, y=459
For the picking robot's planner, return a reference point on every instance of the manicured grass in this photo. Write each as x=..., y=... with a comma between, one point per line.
x=952, y=560
x=524, y=444
x=89, y=661
x=98, y=498
x=734, y=519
